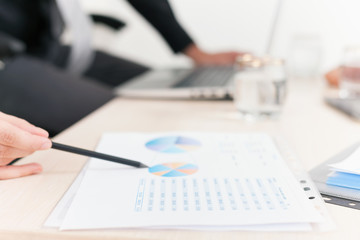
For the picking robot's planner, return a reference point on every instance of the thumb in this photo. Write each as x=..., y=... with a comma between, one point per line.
x=8, y=172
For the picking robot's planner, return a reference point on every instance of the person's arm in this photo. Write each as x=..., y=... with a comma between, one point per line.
x=161, y=16
x=18, y=138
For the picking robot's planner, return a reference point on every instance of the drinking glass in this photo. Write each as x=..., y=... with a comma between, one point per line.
x=304, y=56
x=260, y=88
x=349, y=78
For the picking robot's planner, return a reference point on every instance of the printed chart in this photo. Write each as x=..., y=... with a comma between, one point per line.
x=173, y=144
x=173, y=169
x=195, y=181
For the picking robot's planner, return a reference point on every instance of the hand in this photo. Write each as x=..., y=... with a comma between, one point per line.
x=203, y=58
x=333, y=77
x=18, y=138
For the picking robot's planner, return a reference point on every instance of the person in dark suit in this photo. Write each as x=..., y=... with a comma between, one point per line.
x=37, y=84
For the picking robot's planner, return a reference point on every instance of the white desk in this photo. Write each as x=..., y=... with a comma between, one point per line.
x=314, y=131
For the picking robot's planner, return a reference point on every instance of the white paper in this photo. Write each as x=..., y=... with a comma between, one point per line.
x=351, y=164
x=57, y=216
x=231, y=180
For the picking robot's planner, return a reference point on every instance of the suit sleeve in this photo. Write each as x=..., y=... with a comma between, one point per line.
x=161, y=16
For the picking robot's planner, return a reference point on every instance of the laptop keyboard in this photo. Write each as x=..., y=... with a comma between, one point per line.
x=207, y=77
x=349, y=106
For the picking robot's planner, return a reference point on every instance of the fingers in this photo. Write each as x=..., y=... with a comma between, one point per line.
x=18, y=138
x=13, y=136
x=225, y=58
x=24, y=125
x=7, y=154
x=8, y=172
x=333, y=77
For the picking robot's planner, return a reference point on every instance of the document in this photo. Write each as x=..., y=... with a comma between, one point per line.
x=347, y=172
x=58, y=214
x=349, y=165
x=195, y=180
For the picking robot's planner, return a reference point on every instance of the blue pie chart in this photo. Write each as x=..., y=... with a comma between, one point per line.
x=173, y=144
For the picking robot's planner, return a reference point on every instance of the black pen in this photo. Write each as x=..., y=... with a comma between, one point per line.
x=98, y=155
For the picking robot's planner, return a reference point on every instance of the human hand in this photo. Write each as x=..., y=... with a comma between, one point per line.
x=333, y=77
x=18, y=138
x=201, y=57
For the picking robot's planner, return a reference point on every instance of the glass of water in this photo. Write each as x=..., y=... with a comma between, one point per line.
x=304, y=56
x=350, y=73
x=260, y=87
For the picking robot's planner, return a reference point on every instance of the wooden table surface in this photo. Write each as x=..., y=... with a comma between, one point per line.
x=314, y=131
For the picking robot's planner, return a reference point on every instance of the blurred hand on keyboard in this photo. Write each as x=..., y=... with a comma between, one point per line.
x=333, y=77
x=202, y=58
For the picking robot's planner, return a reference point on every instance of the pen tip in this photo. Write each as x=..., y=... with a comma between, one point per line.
x=143, y=166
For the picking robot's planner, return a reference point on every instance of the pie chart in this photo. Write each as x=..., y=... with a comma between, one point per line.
x=175, y=169
x=173, y=144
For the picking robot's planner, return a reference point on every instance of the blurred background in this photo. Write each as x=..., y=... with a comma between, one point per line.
x=318, y=30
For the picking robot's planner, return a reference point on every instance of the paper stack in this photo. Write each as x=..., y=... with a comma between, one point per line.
x=347, y=172
x=195, y=181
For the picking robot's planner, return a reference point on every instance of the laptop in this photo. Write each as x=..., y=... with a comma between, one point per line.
x=350, y=106
x=198, y=83
x=211, y=82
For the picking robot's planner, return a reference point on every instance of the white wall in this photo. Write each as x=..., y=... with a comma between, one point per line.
x=234, y=24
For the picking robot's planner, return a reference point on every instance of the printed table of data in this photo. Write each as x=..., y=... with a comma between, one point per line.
x=209, y=194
